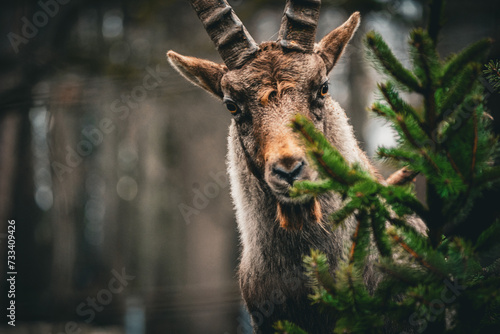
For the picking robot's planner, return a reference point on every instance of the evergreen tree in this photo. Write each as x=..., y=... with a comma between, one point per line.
x=447, y=280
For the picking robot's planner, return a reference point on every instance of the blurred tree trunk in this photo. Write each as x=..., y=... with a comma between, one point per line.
x=27, y=214
x=67, y=188
x=9, y=133
x=356, y=79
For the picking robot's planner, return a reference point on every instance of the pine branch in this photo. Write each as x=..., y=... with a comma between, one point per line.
x=473, y=53
x=401, y=278
x=397, y=154
x=408, y=136
x=401, y=201
x=460, y=90
x=397, y=104
x=414, y=254
x=339, y=216
x=384, y=268
x=400, y=107
x=493, y=269
x=378, y=218
x=436, y=222
x=414, y=143
x=382, y=110
x=313, y=188
x=407, y=228
x=356, y=183
x=453, y=152
x=492, y=73
x=321, y=151
x=449, y=135
x=426, y=62
x=454, y=165
x=318, y=271
x=381, y=53
x=319, y=157
x=460, y=254
x=350, y=279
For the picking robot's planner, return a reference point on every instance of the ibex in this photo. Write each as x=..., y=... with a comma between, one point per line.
x=263, y=87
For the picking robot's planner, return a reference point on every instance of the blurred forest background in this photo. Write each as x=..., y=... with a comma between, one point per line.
x=113, y=166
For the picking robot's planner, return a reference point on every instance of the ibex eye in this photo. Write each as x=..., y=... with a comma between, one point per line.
x=231, y=106
x=324, y=89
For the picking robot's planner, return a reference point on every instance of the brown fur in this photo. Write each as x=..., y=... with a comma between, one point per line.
x=290, y=217
x=279, y=90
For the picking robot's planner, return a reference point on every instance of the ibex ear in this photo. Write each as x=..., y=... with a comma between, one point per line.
x=330, y=48
x=200, y=72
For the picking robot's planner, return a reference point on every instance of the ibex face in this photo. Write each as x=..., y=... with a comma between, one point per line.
x=263, y=96
x=264, y=86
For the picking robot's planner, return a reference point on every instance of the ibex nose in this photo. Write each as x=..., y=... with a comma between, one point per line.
x=288, y=172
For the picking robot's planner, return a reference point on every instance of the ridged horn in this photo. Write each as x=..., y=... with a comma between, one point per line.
x=298, y=25
x=232, y=40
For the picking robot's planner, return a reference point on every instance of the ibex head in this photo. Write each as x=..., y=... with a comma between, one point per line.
x=264, y=86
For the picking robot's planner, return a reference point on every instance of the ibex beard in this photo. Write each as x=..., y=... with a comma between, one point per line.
x=263, y=87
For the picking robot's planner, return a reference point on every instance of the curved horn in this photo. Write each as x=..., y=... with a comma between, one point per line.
x=298, y=25
x=232, y=40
